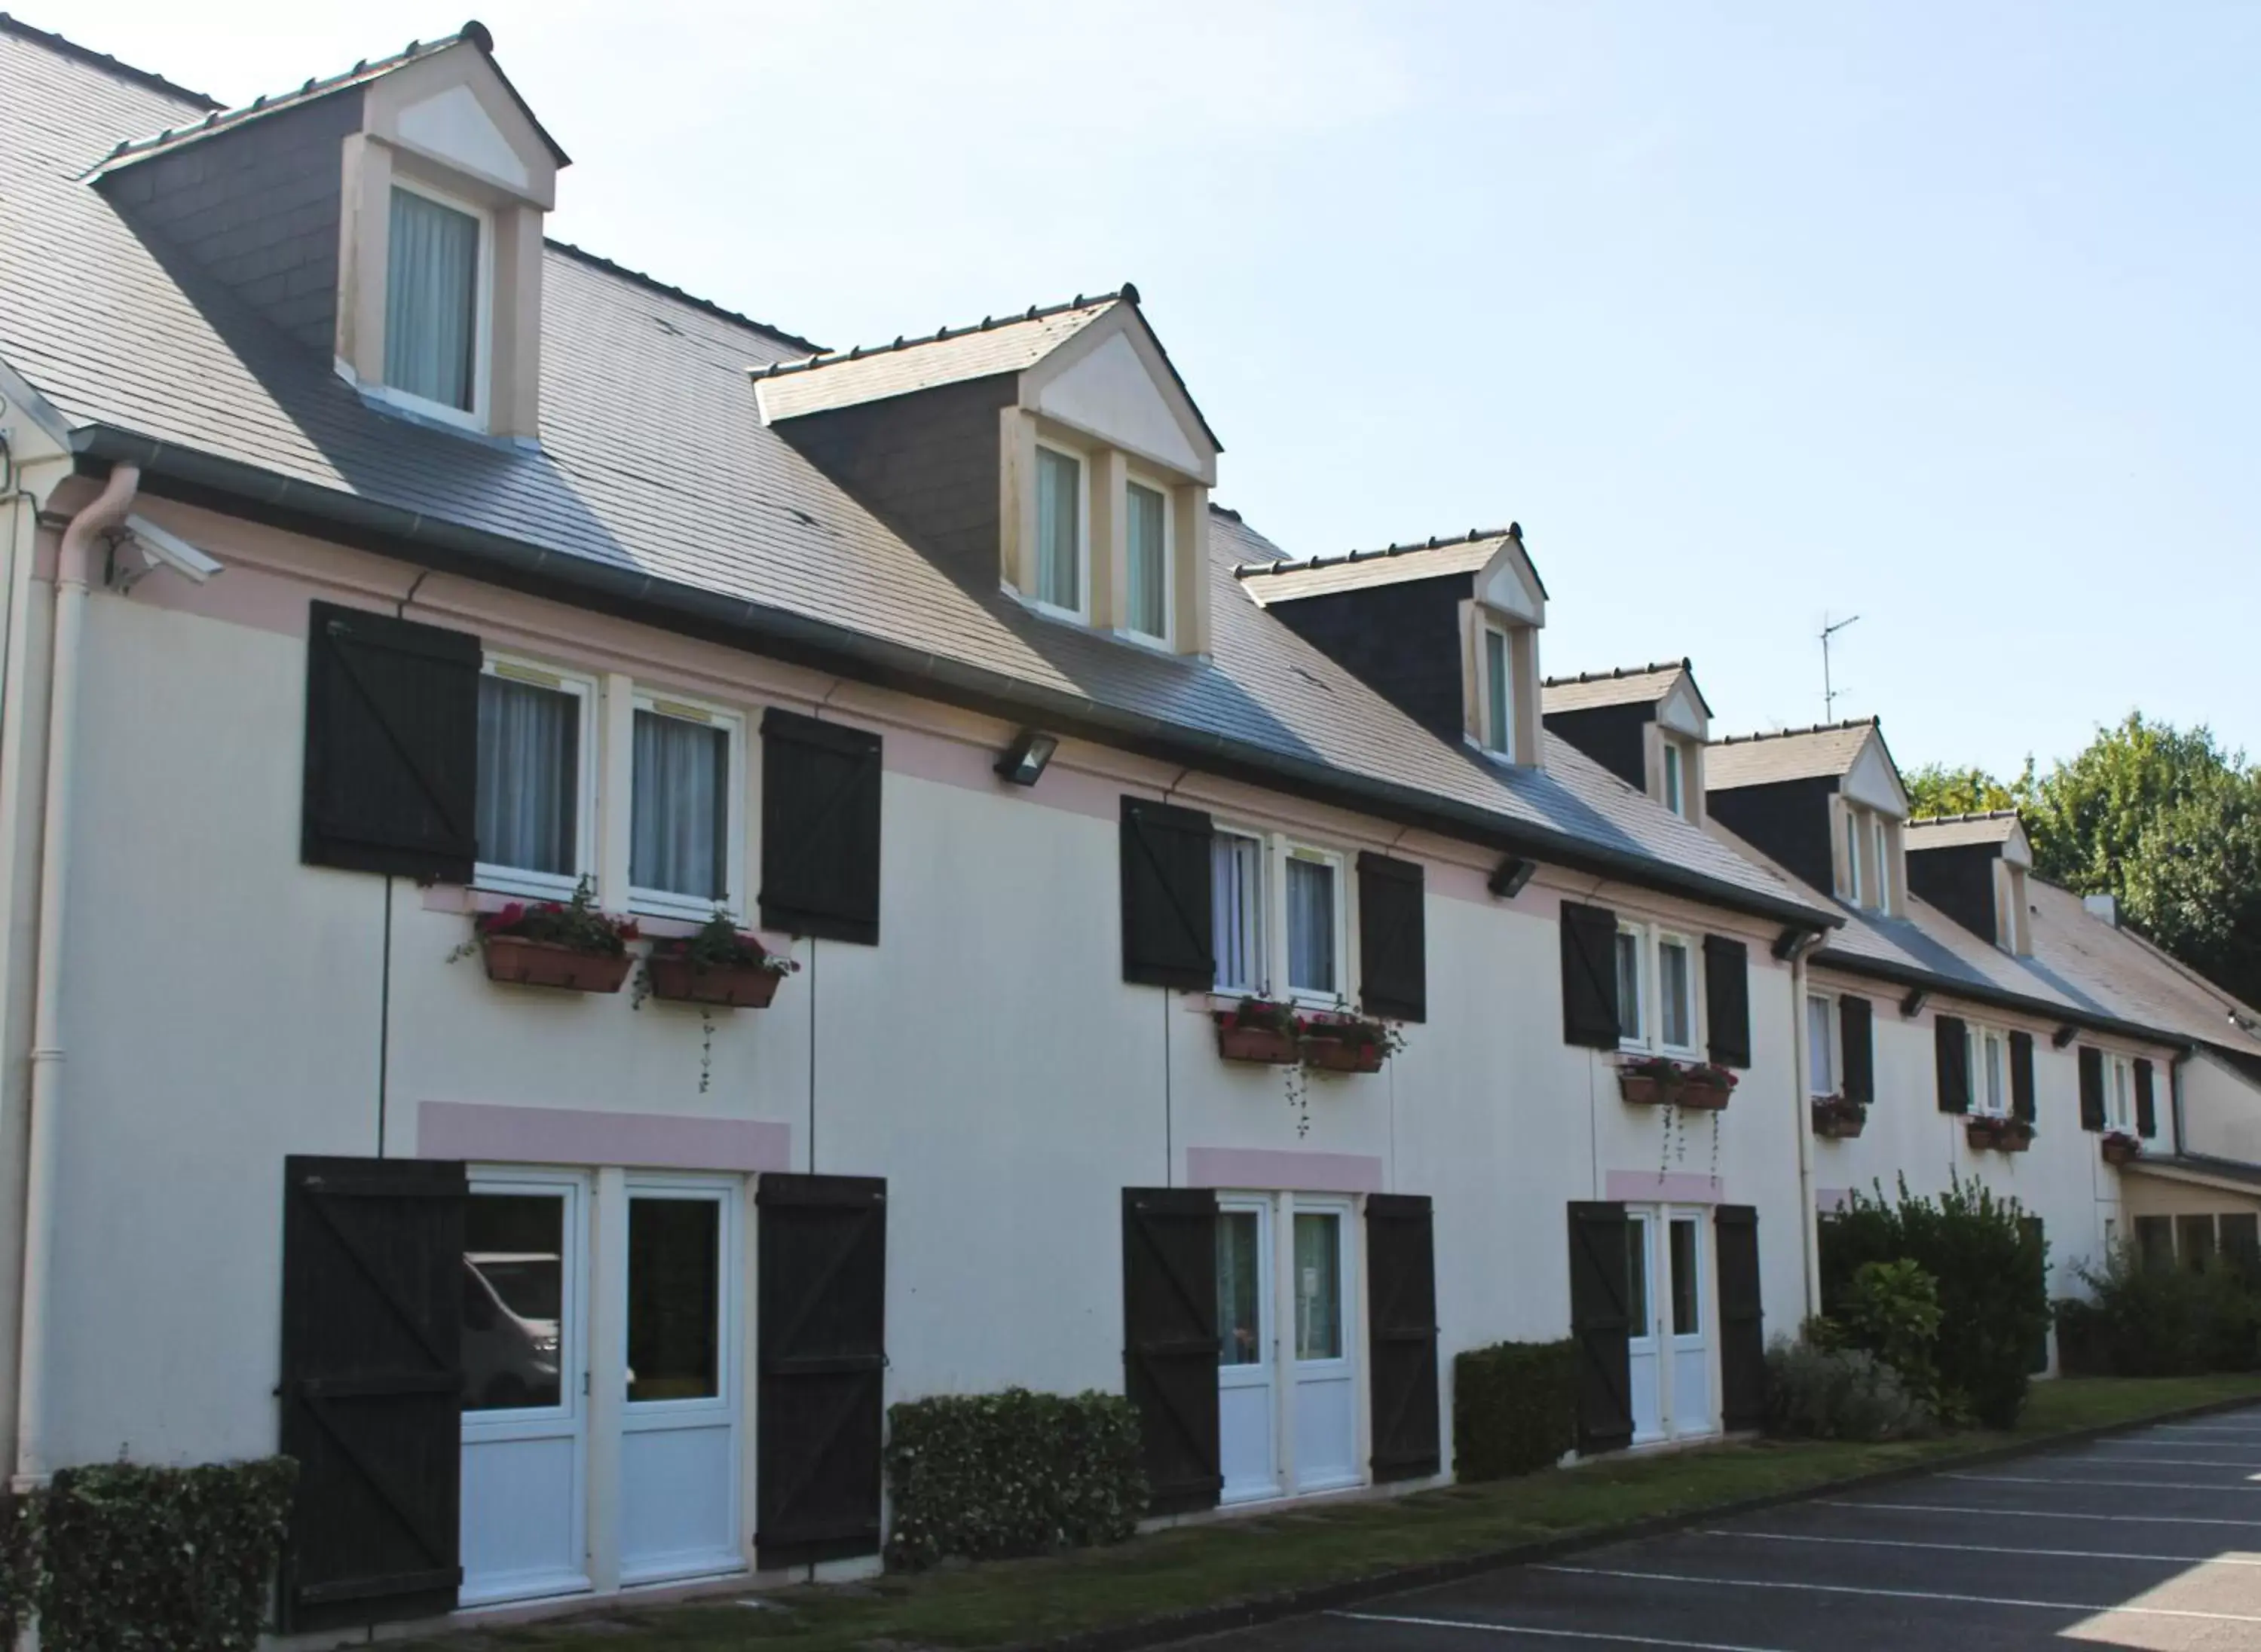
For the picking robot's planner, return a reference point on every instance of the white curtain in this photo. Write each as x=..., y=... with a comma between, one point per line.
x=1059, y=499
x=1679, y=1000
x=1824, y=1078
x=1628, y=985
x=1237, y=864
x=1147, y=583
x=1239, y=1321
x=1311, y=926
x=1498, y=736
x=1318, y=1287
x=431, y=301
x=678, y=837
x=529, y=775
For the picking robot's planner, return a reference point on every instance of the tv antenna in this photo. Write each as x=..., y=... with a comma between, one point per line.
x=1829, y=690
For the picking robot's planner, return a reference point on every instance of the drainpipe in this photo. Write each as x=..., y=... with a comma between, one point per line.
x=1801, y=1086
x=104, y=515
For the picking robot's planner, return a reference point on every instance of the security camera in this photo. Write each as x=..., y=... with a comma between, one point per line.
x=162, y=545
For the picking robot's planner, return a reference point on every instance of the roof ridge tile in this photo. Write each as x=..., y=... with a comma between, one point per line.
x=1339, y=558
x=1619, y=672
x=817, y=358
x=1785, y=734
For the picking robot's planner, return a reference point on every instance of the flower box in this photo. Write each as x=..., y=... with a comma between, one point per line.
x=1341, y=1055
x=2121, y=1149
x=1837, y=1119
x=1640, y=1090
x=1704, y=1096
x=680, y=980
x=1268, y=1046
x=515, y=959
x=2002, y=1135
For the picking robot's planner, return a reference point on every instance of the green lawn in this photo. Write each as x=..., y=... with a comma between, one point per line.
x=1196, y=1566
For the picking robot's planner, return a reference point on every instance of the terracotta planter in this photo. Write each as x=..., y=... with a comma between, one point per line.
x=1836, y=1126
x=1265, y=1045
x=2016, y=1138
x=523, y=963
x=2002, y=1135
x=1710, y=1098
x=1642, y=1090
x=732, y=985
x=2122, y=1152
x=1339, y=1055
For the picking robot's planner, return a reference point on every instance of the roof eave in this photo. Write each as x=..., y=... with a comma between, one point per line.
x=1997, y=997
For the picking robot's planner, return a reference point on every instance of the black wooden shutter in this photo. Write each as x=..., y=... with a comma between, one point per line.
x=1743, y=1318
x=2021, y=1076
x=1401, y=1275
x=1601, y=1321
x=372, y=1388
x=1856, y=1036
x=1168, y=933
x=821, y=785
x=392, y=746
x=1727, y=1000
x=2092, y=1087
x=1170, y=1341
x=2147, y=1113
x=1952, y=1054
x=1590, y=976
x=1393, y=963
x=2037, y=1352
x=820, y=1314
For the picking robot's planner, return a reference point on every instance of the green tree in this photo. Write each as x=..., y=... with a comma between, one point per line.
x=1936, y=789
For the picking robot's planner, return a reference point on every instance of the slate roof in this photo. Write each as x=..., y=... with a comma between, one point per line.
x=843, y=378
x=658, y=492
x=1627, y=685
x=1794, y=754
x=1952, y=831
x=1283, y=579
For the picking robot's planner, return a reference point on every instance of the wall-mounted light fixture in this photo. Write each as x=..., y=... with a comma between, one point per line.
x=1912, y=1006
x=1508, y=878
x=1023, y=761
x=2063, y=1036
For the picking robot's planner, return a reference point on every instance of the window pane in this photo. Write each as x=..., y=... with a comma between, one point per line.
x=1498, y=696
x=1318, y=1287
x=1686, y=1320
x=1147, y=583
x=431, y=301
x=1822, y=1059
x=1677, y=984
x=513, y=1299
x=1236, y=865
x=1311, y=926
x=1059, y=529
x=1883, y=877
x=675, y=1260
x=2193, y=1240
x=1239, y=1315
x=1853, y=857
x=679, y=829
x=529, y=775
x=1997, y=1094
x=1637, y=1279
x=1629, y=1016
x=1672, y=778
x=2241, y=1240
x=2155, y=1242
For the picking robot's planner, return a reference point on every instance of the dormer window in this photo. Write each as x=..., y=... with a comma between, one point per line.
x=1499, y=693
x=435, y=268
x=1149, y=586
x=1062, y=540
x=1881, y=859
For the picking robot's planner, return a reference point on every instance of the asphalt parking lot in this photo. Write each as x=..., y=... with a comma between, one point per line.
x=2149, y=1540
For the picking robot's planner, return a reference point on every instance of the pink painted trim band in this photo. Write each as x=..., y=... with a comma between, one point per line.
x=1288, y=1171
x=573, y=1136
x=1652, y=1187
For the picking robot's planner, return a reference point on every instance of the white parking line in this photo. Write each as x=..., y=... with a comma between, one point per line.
x=2036, y=1514
x=1898, y=1594
x=2123, y=1485
x=2176, y=1462
x=1987, y=1548
x=1557, y=1634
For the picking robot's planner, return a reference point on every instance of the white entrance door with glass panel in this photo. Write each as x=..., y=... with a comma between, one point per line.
x=525, y=1413
x=1287, y=1405
x=1669, y=1342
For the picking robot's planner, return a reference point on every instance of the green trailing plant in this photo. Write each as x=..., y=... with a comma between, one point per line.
x=1515, y=1408
x=1817, y=1388
x=720, y=943
x=577, y=923
x=1260, y=1014
x=121, y=1557
x=1990, y=1268
x=1344, y=1025
x=989, y=1476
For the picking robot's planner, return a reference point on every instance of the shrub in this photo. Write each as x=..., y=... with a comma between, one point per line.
x=1891, y=1309
x=2149, y=1322
x=165, y=1559
x=986, y=1476
x=1515, y=1408
x=1821, y=1392
x=1990, y=1266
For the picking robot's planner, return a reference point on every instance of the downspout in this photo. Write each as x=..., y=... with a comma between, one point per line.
x=1808, y=1217
x=105, y=515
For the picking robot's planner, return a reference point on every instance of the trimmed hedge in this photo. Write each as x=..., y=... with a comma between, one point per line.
x=989, y=1476
x=1515, y=1408
x=118, y=1557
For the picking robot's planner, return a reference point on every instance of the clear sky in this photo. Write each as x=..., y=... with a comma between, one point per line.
x=1944, y=315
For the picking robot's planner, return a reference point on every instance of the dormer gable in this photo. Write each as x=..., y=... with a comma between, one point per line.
x=1975, y=868
x=391, y=215
x=1827, y=802
x=1055, y=453
x=1447, y=630
x=1647, y=725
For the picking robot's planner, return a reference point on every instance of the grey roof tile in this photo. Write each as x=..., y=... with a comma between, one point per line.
x=1629, y=686
x=1285, y=579
x=1794, y=754
x=1950, y=831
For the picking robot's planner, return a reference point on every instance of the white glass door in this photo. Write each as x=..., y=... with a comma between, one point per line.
x=1691, y=1328
x=678, y=1428
x=1325, y=1376
x=525, y=1411
x=1247, y=1433
x=1641, y=1337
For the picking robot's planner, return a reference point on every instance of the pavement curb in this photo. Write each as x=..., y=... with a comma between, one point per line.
x=1306, y=1602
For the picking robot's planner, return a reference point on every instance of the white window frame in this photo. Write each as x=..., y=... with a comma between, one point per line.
x=1644, y=989
x=1880, y=839
x=1659, y=937
x=666, y=903
x=1984, y=1041
x=1285, y=850
x=1831, y=1042
x=1673, y=776
x=1262, y=960
x=2119, y=1092
x=482, y=319
x=1081, y=613
x=1852, y=835
x=1499, y=742
x=1167, y=637
x=545, y=886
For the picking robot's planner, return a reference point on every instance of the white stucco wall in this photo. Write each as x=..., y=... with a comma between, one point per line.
x=2221, y=1110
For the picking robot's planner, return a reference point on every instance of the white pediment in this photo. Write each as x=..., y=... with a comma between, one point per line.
x=2017, y=848
x=451, y=127
x=1509, y=583
x=1873, y=781
x=1112, y=383
x=1682, y=711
